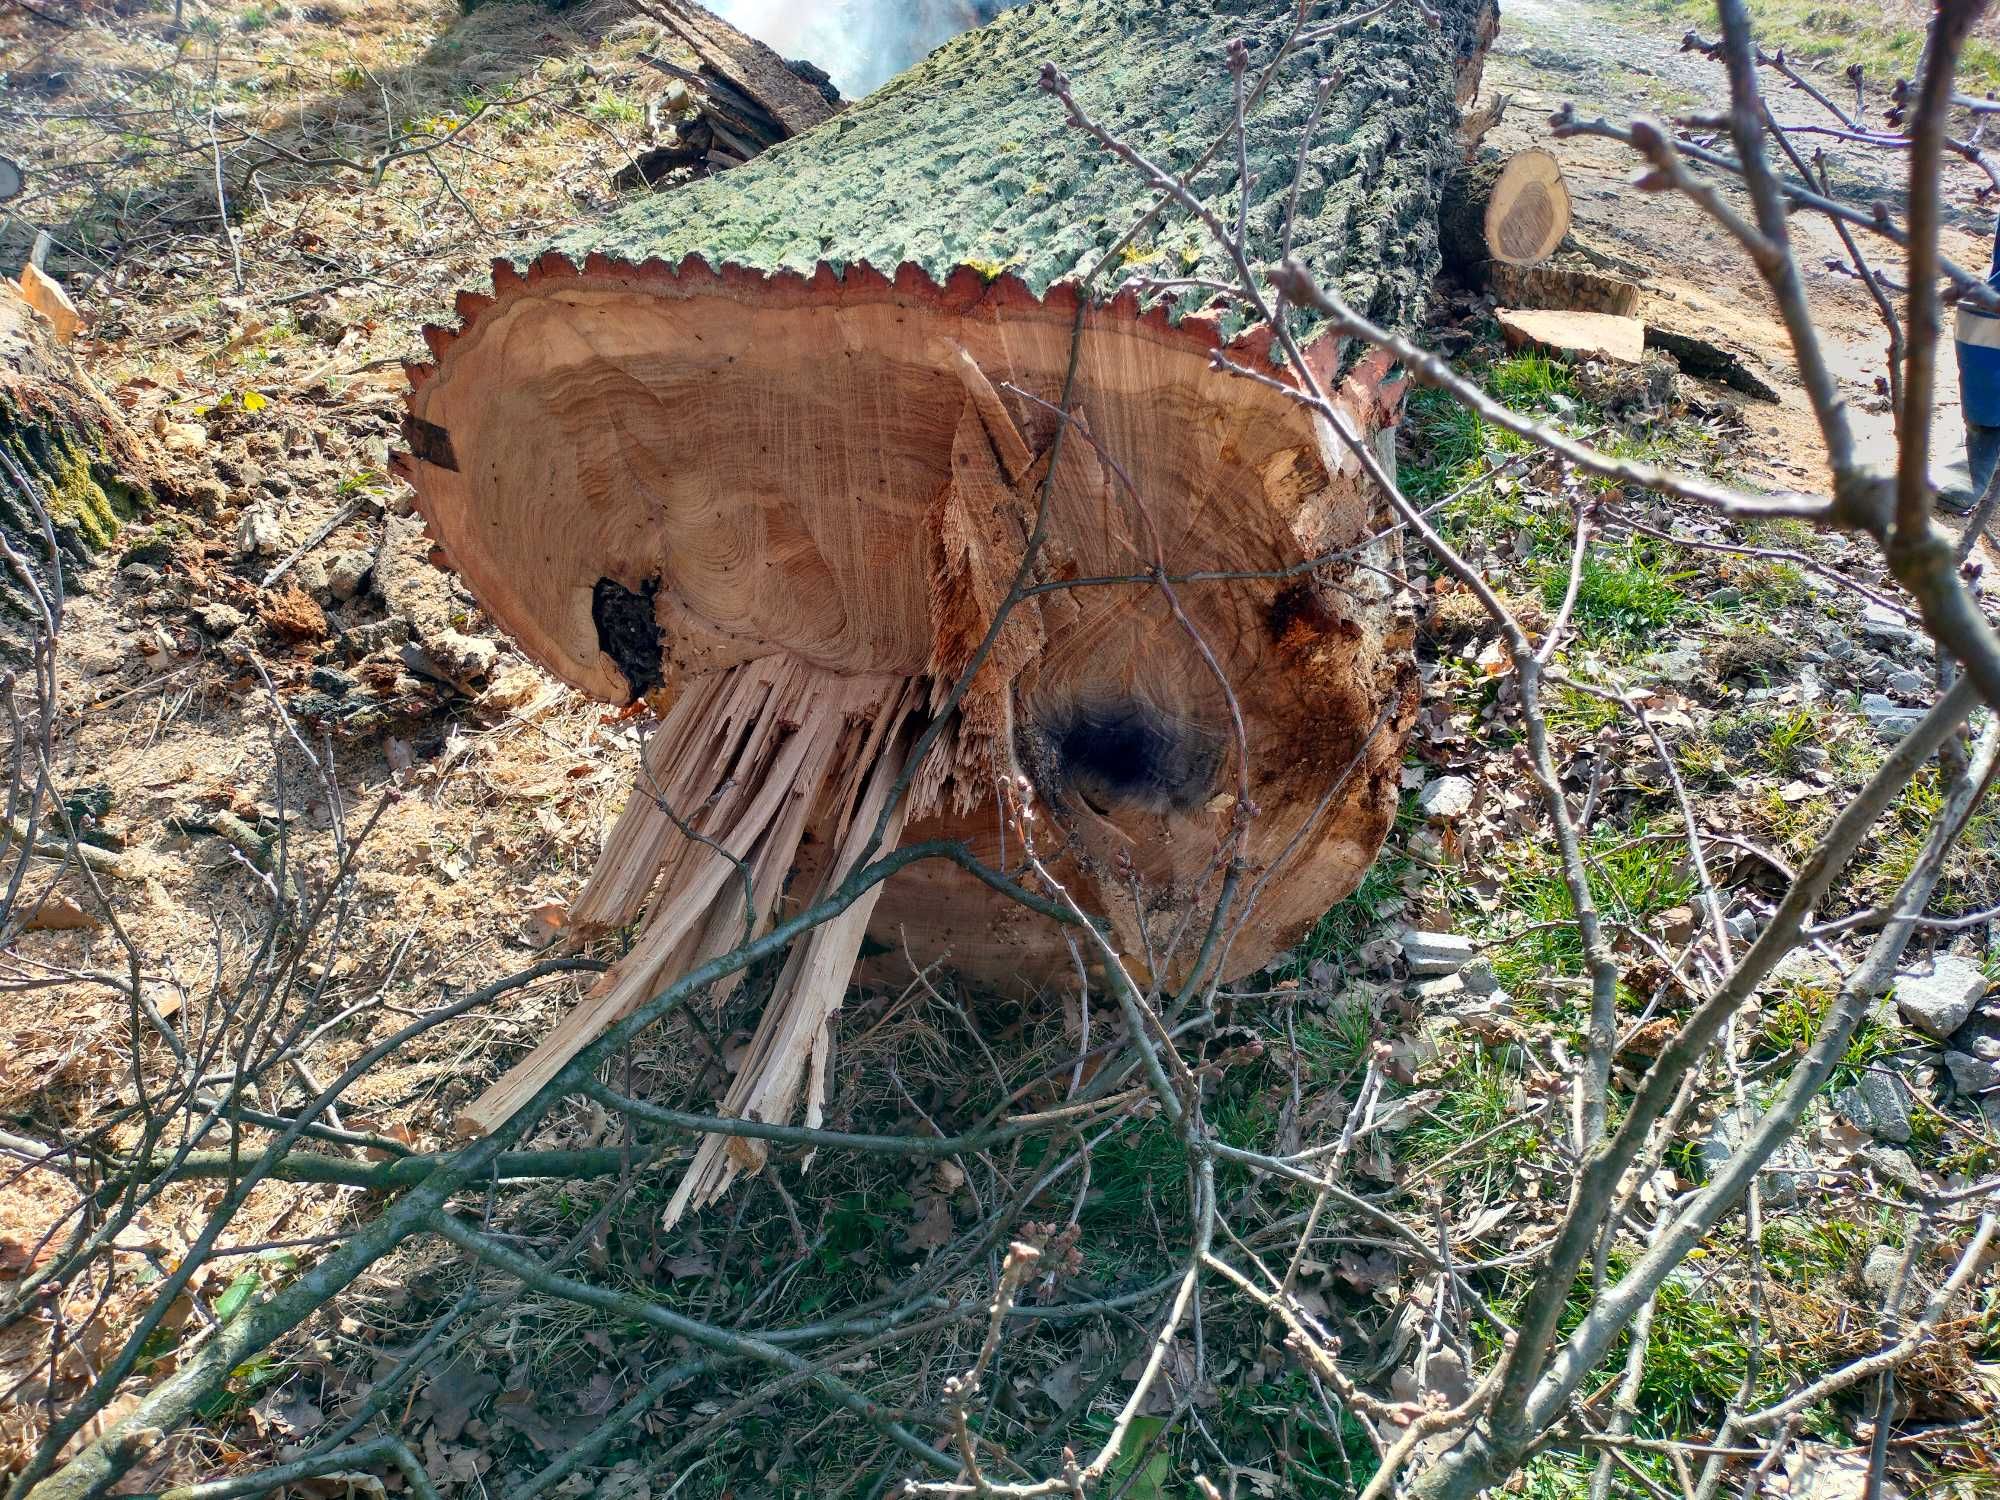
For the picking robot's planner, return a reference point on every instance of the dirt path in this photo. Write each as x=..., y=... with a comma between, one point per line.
x=1612, y=63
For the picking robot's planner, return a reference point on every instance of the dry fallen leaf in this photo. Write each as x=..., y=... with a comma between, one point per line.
x=60, y=914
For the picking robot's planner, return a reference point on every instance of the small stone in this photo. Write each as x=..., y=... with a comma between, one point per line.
x=1725, y=597
x=221, y=620
x=1972, y=1075
x=1779, y=1182
x=348, y=573
x=1742, y=925
x=259, y=533
x=1880, y=1105
x=450, y=656
x=1447, y=798
x=139, y=576
x=1906, y=684
x=1939, y=1002
x=1437, y=991
x=1478, y=978
x=1436, y=952
x=1839, y=648
x=1886, y=627
x=275, y=484
x=1889, y=719
x=333, y=684
x=206, y=496
x=310, y=575
x=1880, y=1271
x=1893, y=1165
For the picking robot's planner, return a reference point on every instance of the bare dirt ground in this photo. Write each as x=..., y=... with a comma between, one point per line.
x=277, y=401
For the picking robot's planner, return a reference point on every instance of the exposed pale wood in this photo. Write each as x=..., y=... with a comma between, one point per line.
x=1579, y=335
x=1510, y=210
x=767, y=452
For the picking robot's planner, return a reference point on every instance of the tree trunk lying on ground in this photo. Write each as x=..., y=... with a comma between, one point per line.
x=72, y=445
x=757, y=451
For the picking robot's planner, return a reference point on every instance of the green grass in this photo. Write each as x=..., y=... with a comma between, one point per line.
x=1632, y=876
x=1885, y=39
x=1533, y=381
x=1628, y=594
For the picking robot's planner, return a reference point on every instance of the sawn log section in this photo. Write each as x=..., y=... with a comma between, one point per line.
x=754, y=450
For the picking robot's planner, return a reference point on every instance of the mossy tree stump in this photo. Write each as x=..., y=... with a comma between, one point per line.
x=91, y=469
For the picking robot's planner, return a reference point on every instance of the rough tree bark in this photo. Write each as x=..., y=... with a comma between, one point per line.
x=67, y=440
x=758, y=451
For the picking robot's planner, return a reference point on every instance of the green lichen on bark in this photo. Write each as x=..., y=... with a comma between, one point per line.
x=964, y=161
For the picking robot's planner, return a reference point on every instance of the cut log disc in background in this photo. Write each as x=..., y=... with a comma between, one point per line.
x=1508, y=209
x=766, y=452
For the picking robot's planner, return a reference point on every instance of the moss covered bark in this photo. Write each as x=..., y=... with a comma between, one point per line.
x=90, y=470
x=964, y=161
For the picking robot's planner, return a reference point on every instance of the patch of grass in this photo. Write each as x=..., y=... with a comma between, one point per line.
x=1627, y=594
x=1886, y=38
x=1632, y=875
x=1791, y=734
x=1791, y=1024
x=1532, y=380
x=1480, y=1094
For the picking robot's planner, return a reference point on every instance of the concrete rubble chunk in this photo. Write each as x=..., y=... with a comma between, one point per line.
x=1972, y=1075
x=1940, y=1002
x=1889, y=719
x=1878, y=1104
x=259, y=533
x=1436, y=952
x=1446, y=798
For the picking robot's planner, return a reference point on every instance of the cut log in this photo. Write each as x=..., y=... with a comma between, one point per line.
x=766, y=454
x=1513, y=210
x=1562, y=285
x=1574, y=335
x=92, y=470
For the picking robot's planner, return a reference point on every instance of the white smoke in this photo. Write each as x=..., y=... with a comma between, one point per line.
x=860, y=43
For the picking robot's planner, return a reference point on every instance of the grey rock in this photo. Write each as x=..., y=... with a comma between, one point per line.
x=1743, y=925
x=1893, y=1165
x=1972, y=1075
x=1906, y=683
x=1880, y=1105
x=1478, y=978
x=1446, y=798
x=454, y=657
x=275, y=484
x=1784, y=1176
x=221, y=620
x=259, y=533
x=1436, y=952
x=1838, y=648
x=348, y=573
x=1886, y=627
x=1889, y=719
x=1883, y=1266
x=1438, y=991
x=1938, y=1003
x=1725, y=597
x=139, y=575
x=309, y=573
x=366, y=640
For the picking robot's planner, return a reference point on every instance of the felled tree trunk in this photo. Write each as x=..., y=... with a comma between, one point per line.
x=91, y=470
x=766, y=452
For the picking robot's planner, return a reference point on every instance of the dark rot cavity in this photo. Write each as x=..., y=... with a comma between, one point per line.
x=628, y=632
x=1127, y=754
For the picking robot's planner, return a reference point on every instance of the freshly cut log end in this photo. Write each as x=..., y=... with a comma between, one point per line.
x=93, y=472
x=767, y=452
x=1510, y=210
x=1574, y=335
